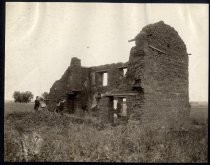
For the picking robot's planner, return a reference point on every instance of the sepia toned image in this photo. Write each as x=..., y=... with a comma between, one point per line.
x=106, y=82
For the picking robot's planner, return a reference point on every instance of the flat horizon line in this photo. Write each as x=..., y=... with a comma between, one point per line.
x=8, y=100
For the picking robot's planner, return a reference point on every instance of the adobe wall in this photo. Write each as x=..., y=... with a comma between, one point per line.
x=163, y=76
x=76, y=78
x=157, y=70
x=89, y=82
x=115, y=76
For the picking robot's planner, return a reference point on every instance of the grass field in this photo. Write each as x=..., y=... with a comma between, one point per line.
x=199, y=113
x=11, y=107
x=46, y=136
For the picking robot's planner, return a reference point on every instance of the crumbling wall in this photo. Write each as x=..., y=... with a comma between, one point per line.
x=115, y=76
x=157, y=70
x=57, y=91
x=89, y=82
x=86, y=89
x=135, y=75
x=74, y=81
x=163, y=75
x=75, y=78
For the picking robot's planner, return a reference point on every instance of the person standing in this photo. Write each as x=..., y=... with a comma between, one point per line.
x=58, y=106
x=37, y=103
x=62, y=106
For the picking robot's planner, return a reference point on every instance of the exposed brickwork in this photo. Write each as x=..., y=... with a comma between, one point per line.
x=164, y=76
x=157, y=70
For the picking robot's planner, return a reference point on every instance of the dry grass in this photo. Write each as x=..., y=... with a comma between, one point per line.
x=11, y=107
x=70, y=138
x=199, y=113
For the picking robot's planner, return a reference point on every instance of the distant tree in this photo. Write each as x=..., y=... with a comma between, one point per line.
x=23, y=97
x=16, y=96
x=45, y=95
x=28, y=96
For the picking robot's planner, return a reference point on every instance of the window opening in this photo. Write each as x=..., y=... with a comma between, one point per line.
x=124, y=109
x=105, y=79
x=115, y=104
x=124, y=71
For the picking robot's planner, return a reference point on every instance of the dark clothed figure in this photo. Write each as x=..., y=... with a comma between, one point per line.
x=57, y=106
x=61, y=108
x=37, y=104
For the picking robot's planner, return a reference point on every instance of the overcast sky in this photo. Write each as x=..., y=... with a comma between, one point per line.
x=41, y=39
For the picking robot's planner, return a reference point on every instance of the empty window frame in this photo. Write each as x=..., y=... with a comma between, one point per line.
x=124, y=109
x=124, y=71
x=115, y=103
x=105, y=79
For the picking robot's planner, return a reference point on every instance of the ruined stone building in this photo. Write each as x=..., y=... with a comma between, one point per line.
x=154, y=88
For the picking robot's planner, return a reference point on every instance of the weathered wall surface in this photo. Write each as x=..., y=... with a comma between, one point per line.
x=164, y=76
x=57, y=91
x=89, y=81
x=75, y=78
x=74, y=81
x=115, y=76
x=135, y=76
x=157, y=69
